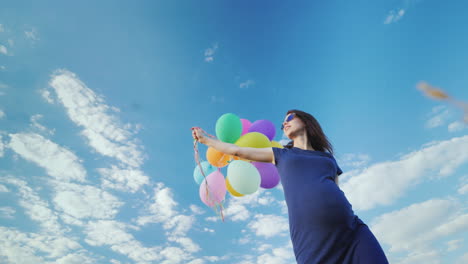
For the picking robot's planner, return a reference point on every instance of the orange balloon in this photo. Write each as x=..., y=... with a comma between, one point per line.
x=231, y=190
x=216, y=158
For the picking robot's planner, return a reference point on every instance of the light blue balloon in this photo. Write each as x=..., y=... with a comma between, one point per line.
x=207, y=169
x=243, y=177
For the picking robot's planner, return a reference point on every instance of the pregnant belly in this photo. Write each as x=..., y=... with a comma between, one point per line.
x=321, y=207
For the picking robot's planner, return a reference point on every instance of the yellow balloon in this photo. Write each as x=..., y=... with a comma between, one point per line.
x=253, y=140
x=276, y=144
x=231, y=190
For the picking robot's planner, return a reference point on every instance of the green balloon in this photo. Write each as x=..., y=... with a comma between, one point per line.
x=243, y=177
x=228, y=128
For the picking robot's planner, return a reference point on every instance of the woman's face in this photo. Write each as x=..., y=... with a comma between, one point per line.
x=292, y=125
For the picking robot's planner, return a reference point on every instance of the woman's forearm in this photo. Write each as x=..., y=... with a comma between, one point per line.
x=227, y=148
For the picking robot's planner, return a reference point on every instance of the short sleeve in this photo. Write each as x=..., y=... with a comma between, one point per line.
x=338, y=170
x=278, y=153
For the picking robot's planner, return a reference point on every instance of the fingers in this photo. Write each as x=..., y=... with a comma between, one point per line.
x=196, y=133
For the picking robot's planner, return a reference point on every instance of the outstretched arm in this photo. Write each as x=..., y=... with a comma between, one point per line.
x=254, y=154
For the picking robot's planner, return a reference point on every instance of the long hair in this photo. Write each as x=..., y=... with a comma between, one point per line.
x=315, y=135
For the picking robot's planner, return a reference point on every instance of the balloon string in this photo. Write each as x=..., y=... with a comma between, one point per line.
x=208, y=193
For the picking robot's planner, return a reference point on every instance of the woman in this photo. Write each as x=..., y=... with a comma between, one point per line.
x=322, y=225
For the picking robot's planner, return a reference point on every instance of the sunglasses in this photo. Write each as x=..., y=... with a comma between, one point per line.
x=288, y=118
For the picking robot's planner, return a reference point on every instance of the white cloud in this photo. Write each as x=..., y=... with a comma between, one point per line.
x=3, y=188
x=35, y=207
x=463, y=189
x=247, y=84
x=277, y=255
x=7, y=212
x=196, y=209
x=46, y=94
x=24, y=248
x=454, y=244
x=385, y=182
x=75, y=258
x=394, y=16
x=420, y=224
x=85, y=201
x=59, y=162
x=35, y=124
x=186, y=243
x=463, y=259
x=439, y=116
x=163, y=210
x=114, y=234
x=32, y=34
x=2, y=28
x=129, y=180
x=456, y=126
x=208, y=230
x=2, y=147
x=217, y=99
x=353, y=160
x=237, y=208
x=3, y=50
x=426, y=257
x=2, y=114
x=103, y=130
x=209, y=53
x=269, y=226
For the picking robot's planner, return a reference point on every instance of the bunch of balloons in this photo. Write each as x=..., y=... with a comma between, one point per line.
x=243, y=176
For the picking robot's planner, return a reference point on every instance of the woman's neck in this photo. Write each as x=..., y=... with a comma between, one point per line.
x=301, y=141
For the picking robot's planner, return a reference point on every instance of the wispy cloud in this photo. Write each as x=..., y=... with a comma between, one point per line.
x=210, y=52
x=2, y=28
x=128, y=180
x=456, y=126
x=59, y=162
x=35, y=207
x=31, y=248
x=32, y=34
x=36, y=125
x=438, y=117
x=85, y=201
x=247, y=84
x=397, y=14
x=104, y=131
x=443, y=217
x=394, y=16
x=269, y=225
x=2, y=114
x=395, y=177
x=217, y=99
x=7, y=212
x=113, y=233
x=3, y=50
x=46, y=94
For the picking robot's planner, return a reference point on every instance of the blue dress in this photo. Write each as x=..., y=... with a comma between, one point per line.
x=322, y=224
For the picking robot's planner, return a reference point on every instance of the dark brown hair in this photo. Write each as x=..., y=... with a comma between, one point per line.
x=317, y=139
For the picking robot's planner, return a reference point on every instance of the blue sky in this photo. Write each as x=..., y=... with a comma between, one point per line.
x=97, y=101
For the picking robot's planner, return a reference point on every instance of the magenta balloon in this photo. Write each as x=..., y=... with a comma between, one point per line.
x=245, y=126
x=268, y=173
x=265, y=127
x=216, y=190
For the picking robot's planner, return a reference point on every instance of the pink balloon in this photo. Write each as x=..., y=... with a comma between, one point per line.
x=245, y=126
x=268, y=173
x=213, y=189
